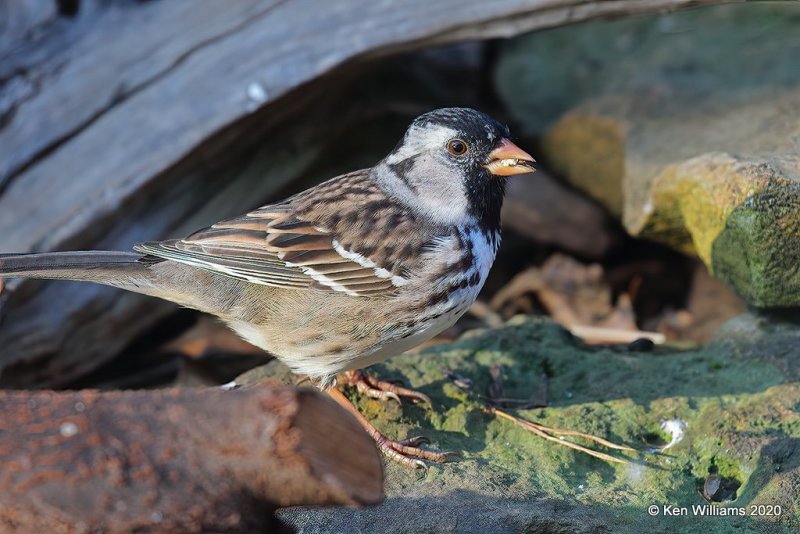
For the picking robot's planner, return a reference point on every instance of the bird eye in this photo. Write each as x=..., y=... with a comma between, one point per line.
x=457, y=147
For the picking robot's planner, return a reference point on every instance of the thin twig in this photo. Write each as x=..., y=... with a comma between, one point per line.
x=602, y=335
x=542, y=431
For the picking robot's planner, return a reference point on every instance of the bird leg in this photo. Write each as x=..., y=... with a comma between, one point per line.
x=405, y=451
x=381, y=389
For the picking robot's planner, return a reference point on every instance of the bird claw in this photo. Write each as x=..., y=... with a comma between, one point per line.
x=407, y=451
x=383, y=389
x=374, y=393
x=415, y=441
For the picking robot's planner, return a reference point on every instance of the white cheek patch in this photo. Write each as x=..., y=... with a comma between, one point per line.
x=433, y=185
x=440, y=192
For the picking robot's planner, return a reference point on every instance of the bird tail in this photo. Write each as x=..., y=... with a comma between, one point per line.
x=139, y=273
x=126, y=270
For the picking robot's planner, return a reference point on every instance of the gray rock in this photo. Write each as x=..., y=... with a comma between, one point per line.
x=737, y=398
x=686, y=126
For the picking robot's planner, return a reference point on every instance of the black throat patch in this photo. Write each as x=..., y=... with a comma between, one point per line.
x=485, y=196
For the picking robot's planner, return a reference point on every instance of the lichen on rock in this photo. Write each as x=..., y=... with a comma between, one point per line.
x=738, y=398
x=686, y=126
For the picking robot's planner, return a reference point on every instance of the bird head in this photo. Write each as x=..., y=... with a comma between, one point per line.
x=451, y=166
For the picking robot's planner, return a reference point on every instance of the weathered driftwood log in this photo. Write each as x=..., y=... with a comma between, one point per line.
x=130, y=121
x=177, y=460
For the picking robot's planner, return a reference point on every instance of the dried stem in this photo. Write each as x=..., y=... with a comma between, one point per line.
x=550, y=434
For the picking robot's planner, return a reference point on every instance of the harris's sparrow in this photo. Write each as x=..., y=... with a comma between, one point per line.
x=345, y=274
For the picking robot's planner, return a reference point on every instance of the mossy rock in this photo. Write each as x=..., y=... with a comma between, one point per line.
x=708, y=52
x=739, y=398
x=741, y=216
x=686, y=126
x=737, y=210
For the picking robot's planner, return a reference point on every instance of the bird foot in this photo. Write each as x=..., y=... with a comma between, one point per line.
x=381, y=389
x=407, y=451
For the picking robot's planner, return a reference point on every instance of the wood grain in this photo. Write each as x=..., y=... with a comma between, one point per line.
x=176, y=461
x=130, y=121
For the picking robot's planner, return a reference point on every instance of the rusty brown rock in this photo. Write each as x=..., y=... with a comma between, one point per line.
x=177, y=460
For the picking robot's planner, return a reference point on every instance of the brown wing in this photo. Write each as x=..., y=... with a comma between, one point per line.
x=343, y=235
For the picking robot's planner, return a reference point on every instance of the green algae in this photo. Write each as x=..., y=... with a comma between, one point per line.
x=738, y=398
x=745, y=254
x=663, y=120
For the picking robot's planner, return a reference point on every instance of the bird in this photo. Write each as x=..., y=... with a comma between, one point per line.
x=361, y=267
